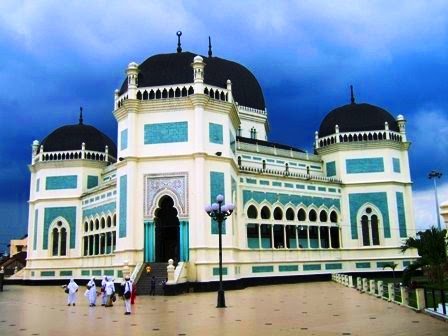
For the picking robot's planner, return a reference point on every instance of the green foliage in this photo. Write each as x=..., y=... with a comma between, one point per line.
x=432, y=247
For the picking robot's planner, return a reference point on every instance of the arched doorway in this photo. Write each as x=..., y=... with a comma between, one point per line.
x=166, y=231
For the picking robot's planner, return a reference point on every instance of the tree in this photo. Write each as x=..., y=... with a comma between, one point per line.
x=432, y=247
x=391, y=266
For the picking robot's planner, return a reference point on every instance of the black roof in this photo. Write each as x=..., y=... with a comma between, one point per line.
x=71, y=137
x=168, y=69
x=268, y=144
x=357, y=117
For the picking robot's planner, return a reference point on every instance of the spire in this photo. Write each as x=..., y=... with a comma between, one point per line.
x=352, y=95
x=209, y=47
x=179, y=48
x=80, y=115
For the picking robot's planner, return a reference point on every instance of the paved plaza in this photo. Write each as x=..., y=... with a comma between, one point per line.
x=319, y=308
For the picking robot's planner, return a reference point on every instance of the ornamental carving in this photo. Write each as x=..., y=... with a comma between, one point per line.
x=174, y=185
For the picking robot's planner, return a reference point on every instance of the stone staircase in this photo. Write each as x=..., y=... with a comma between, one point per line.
x=158, y=270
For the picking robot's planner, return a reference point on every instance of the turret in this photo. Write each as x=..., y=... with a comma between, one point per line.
x=402, y=126
x=132, y=73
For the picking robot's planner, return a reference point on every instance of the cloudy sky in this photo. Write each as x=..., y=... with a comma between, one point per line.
x=58, y=55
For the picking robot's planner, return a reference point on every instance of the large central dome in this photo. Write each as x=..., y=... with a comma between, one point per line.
x=168, y=69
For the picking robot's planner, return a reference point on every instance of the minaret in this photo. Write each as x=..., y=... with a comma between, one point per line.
x=402, y=126
x=198, y=74
x=132, y=73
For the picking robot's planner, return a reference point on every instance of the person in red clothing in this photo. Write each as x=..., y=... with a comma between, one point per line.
x=133, y=292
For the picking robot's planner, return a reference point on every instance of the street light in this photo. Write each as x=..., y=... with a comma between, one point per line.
x=219, y=212
x=434, y=175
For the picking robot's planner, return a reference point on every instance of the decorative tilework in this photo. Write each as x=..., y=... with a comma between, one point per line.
x=381, y=264
x=102, y=209
x=311, y=187
x=276, y=184
x=288, y=268
x=215, y=133
x=61, y=182
x=173, y=184
x=166, y=132
x=321, y=188
x=96, y=272
x=332, y=190
x=331, y=168
x=47, y=273
x=184, y=241
x=124, y=139
x=300, y=186
x=362, y=265
x=50, y=214
x=312, y=267
x=259, y=196
x=251, y=181
x=289, y=185
x=92, y=181
x=149, y=251
x=264, y=182
x=108, y=272
x=396, y=165
x=38, y=185
x=379, y=199
x=262, y=269
x=365, y=165
x=36, y=218
x=401, y=214
x=216, y=188
x=65, y=273
x=123, y=209
x=216, y=271
x=337, y=266
x=85, y=273
x=247, y=157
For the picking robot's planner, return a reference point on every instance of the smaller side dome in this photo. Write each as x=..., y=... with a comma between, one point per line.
x=357, y=117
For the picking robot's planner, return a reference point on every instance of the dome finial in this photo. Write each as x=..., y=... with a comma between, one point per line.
x=80, y=115
x=179, y=48
x=209, y=47
x=352, y=95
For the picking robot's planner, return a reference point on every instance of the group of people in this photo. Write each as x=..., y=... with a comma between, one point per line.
x=107, y=292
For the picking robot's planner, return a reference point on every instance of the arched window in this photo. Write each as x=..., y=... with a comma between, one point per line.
x=91, y=225
x=103, y=223
x=370, y=227
x=323, y=217
x=290, y=214
x=97, y=224
x=252, y=212
x=333, y=217
x=109, y=222
x=301, y=215
x=59, y=239
x=265, y=213
x=278, y=213
x=86, y=227
x=312, y=215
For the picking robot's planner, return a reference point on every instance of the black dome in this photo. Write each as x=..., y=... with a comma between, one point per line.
x=357, y=117
x=168, y=69
x=71, y=137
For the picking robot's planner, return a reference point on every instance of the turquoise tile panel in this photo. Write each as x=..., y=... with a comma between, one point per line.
x=262, y=269
x=92, y=181
x=300, y=186
x=216, y=271
x=99, y=210
x=331, y=168
x=61, y=182
x=270, y=160
x=122, y=231
x=96, y=272
x=50, y=214
x=311, y=187
x=366, y=165
x=85, y=273
x=215, y=133
x=337, y=266
x=362, y=265
x=124, y=139
x=109, y=272
x=321, y=189
x=216, y=188
x=288, y=268
x=251, y=181
x=65, y=273
x=264, y=182
x=47, y=273
x=36, y=218
x=289, y=185
x=312, y=267
x=166, y=132
x=257, y=158
x=379, y=199
x=396, y=165
x=332, y=190
x=401, y=215
x=119, y=274
x=276, y=184
x=381, y=264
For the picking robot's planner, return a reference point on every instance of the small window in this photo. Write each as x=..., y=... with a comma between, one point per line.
x=301, y=215
x=290, y=214
x=265, y=213
x=278, y=213
x=252, y=212
x=333, y=217
x=312, y=215
x=323, y=216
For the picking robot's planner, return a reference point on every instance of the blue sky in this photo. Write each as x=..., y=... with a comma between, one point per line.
x=56, y=56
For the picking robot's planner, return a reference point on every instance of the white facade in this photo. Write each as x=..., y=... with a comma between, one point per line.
x=175, y=153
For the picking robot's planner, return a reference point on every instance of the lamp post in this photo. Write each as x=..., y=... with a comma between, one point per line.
x=219, y=212
x=434, y=175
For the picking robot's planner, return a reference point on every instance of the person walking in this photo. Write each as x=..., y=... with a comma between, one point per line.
x=72, y=288
x=110, y=292
x=134, y=292
x=103, y=291
x=127, y=291
x=91, y=287
x=153, y=286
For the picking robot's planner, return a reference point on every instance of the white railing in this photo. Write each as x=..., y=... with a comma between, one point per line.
x=359, y=137
x=285, y=173
x=73, y=155
x=287, y=153
x=251, y=109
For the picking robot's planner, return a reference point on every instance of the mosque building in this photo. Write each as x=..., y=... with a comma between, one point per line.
x=190, y=127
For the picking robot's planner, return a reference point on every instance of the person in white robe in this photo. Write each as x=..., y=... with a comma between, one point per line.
x=92, y=292
x=127, y=292
x=103, y=291
x=110, y=291
x=72, y=289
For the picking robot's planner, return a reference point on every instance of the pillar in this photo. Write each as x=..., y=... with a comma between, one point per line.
x=365, y=285
x=390, y=291
x=404, y=296
x=420, y=294
x=380, y=288
x=372, y=286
